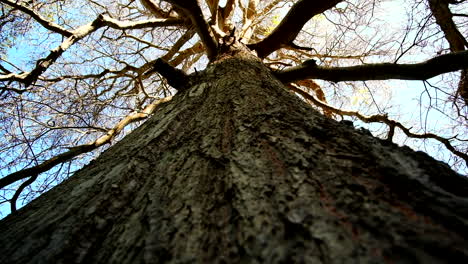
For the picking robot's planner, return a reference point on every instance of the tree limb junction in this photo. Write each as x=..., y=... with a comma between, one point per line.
x=193, y=10
x=175, y=77
x=291, y=25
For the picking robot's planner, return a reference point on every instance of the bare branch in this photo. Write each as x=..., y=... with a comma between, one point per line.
x=443, y=16
x=213, y=5
x=45, y=166
x=155, y=10
x=379, y=71
x=151, y=23
x=460, y=15
x=175, y=77
x=291, y=25
x=19, y=190
x=44, y=22
x=43, y=64
x=193, y=10
x=178, y=44
x=28, y=78
x=249, y=14
x=392, y=124
x=225, y=14
x=11, y=89
x=78, y=150
x=184, y=54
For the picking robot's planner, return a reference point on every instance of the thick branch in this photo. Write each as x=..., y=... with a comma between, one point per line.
x=75, y=151
x=19, y=190
x=45, y=166
x=184, y=54
x=193, y=10
x=150, y=23
x=154, y=9
x=28, y=78
x=225, y=14
x=291, y=25
x=249, y=14
x=175, y=77
x=213, y=5
x=443, y=16
x=43, y=64
x=47, y=24
x=379, y=71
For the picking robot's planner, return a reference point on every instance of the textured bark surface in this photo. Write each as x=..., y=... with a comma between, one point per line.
x=236, y=169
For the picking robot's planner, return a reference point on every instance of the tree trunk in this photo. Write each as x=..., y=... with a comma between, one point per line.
x=236, y=169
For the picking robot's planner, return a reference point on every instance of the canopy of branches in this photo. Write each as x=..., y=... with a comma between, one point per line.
x=76, y=76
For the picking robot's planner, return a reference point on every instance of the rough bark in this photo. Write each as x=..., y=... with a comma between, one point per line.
x=235, y=169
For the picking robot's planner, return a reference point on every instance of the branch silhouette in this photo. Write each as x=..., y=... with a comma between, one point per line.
x=378, y=71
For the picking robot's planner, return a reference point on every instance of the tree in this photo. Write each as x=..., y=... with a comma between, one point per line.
x=235, y=168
